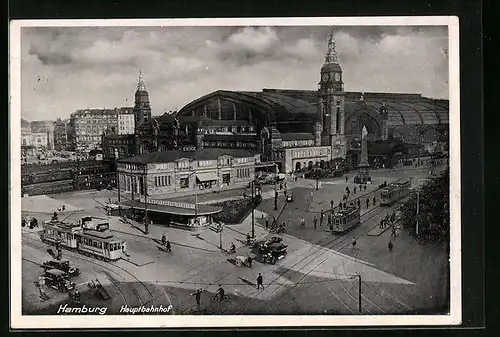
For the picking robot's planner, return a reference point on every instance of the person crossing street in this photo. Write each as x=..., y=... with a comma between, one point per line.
x=390, y=246
x=260, y=281
x=315, y=221
x=197, y=296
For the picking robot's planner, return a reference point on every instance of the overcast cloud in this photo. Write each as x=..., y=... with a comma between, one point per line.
x=65, y=69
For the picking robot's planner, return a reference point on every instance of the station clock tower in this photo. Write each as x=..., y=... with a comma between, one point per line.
x=142, y=107
x=330, y=124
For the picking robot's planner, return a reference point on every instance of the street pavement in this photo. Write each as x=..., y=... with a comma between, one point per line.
x=319, y=274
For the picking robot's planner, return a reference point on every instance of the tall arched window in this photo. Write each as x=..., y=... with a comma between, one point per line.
x=338, y=120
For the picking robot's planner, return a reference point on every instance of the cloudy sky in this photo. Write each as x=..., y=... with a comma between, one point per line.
x=65, y=69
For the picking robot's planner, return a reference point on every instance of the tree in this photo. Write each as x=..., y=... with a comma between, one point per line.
x=433, y=218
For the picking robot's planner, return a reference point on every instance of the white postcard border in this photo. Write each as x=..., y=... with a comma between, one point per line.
x=19, y=321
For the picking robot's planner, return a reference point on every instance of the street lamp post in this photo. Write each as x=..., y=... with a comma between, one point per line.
x=145, y=189
x=359, y=293
x=195, y=196
x=253, y=209
x=418, y=205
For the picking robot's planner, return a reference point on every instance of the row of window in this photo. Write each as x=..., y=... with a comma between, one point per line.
x=119, y=141
x=243, y=173
x=298, y=143
x=229, y=144
x=230, y=129
x=163, y=181
x=133, y=166
x=308, y=153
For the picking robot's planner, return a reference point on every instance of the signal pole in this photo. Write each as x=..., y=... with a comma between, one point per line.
x=359, y=293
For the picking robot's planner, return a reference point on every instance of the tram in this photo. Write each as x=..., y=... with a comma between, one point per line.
x=89, y=237
x=343, y=220
x=394, y=192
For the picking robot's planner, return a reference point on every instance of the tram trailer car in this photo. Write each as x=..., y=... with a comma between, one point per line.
x=100, y=244
x=394, y=192
x=345, y=219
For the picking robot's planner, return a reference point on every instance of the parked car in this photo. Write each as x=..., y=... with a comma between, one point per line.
x=57, y=279
x=61, y=265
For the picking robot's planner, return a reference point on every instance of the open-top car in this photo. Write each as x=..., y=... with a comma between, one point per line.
x=58, y=280
x=61, y=265
x=273, y=252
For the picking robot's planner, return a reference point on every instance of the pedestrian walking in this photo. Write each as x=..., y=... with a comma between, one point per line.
x=367, y=202
x=260, y=281
x=353, y=242
x=321, y=216
x=374, y=200
x=249, y=262
x=285, y=187
x=381, y=225
x=359, y=203
x=390, y=245
x=197, y=296
x=393, y=231
x=354, y=189
x=302, y=222
x=364, y=188
x=331, y=203
x=267, y=224
x=346, y=177
x=315, y=221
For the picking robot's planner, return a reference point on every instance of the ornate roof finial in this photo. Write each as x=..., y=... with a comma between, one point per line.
x=331, y=54
x=140, y=85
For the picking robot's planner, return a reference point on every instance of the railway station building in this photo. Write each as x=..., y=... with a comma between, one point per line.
x=292, y=128
x=162, y=173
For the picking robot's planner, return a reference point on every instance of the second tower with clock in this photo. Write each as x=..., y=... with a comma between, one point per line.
x=331, y=100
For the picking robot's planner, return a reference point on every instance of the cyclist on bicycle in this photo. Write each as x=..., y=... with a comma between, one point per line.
x=220, y=293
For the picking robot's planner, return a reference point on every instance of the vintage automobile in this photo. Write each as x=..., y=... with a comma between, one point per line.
x=289, y=197
x=273, y=252
x=61, y=265
x=264, y=243
x=58, y=280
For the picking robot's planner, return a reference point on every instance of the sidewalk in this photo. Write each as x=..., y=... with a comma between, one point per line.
x=205, y=240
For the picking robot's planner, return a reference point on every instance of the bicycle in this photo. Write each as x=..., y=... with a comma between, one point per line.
x=216, y=298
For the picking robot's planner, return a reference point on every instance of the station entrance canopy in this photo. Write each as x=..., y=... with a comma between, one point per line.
x=172, y=207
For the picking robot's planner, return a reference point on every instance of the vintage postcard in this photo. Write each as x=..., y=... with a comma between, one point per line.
x=235, y=172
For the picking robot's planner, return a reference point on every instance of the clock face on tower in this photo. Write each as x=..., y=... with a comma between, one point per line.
x=337, y=76
x=324, y=77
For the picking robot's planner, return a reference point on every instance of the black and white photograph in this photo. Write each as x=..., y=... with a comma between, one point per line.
x=235, y=172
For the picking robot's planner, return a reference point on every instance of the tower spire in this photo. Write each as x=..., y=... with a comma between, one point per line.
x=140, y=85
x=331, y=54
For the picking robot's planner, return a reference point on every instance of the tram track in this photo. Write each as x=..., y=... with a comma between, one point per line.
x=106, y=267
x=324, y=246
